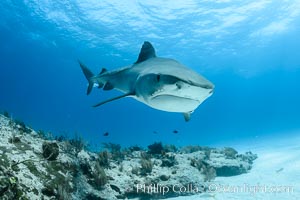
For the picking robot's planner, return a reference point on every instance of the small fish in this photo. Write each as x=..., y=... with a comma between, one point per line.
x=175, y=131
x=106, y=134
x=155, y=132
x=279, y=170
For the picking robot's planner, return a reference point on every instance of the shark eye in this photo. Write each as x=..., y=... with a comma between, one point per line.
x=178, y=86
x=158, y=77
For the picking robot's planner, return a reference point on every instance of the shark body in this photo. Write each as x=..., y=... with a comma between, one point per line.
x=161, y=83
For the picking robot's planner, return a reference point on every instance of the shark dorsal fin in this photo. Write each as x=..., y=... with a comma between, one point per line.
x=146, y=52
x=103, y=71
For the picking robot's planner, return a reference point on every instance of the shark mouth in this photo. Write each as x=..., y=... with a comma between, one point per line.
x=170, y=96
x=173, y=103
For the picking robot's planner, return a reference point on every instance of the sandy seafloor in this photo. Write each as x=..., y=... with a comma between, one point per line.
x=277, y=167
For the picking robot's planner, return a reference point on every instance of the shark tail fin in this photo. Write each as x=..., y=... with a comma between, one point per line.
x=88, y=75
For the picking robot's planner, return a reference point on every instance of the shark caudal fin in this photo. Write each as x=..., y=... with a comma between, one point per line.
x=88, y=75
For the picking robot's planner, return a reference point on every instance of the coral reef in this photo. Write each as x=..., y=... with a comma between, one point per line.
x=146, y=166
x=99, y=176
x=34, y=167
x=103, y=159
x=50, y=150
x=156, y=148
x=230, y=153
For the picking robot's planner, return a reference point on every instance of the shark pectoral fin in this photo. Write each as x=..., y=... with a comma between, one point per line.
x=187, y=116
x=112, y=99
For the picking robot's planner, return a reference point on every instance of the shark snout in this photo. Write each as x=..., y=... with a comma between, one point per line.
x=210, y=87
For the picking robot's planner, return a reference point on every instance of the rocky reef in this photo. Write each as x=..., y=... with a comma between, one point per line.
x=33, y=167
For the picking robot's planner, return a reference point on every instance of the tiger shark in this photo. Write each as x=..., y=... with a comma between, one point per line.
x=161, y=83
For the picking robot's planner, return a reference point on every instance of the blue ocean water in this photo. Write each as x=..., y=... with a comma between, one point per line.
x=250, y=50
